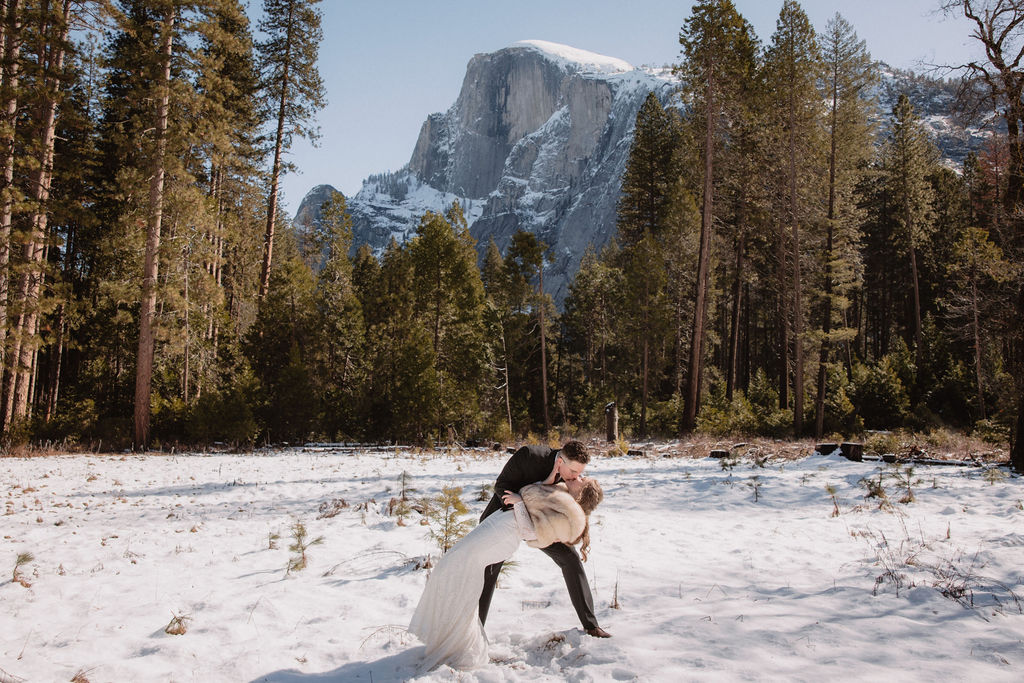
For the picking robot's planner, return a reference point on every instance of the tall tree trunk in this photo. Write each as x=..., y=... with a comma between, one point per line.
x=56, y=362
x=826, y=341
x=1017, y=449
x=645, y=360
x=508, y=396
x=1014, y=197
x=8, y=119
x=678, y=351
x=23, y=352
x=918, y=335
x=826, y=309
x=1017, y=439
x=692, y=395
x=275, y=175
x=144, y=365
x=798, y=314
x=734, y=324
x=187, y=366
x=543, y=350
x=976, y=330
x=781, y=319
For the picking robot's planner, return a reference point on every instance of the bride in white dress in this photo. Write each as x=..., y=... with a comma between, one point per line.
x=447, y=619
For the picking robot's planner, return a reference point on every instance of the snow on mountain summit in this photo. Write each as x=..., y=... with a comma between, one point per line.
x=588, y=61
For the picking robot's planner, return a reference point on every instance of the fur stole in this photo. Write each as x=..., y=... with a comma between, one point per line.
x=556, y=517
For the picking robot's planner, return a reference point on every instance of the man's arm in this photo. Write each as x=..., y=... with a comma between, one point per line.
x=524, y=467
x=510, y=480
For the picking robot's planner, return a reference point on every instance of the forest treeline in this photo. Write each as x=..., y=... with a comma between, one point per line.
x=785, y=264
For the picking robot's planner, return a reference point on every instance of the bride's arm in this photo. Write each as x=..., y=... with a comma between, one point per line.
x=523, y=521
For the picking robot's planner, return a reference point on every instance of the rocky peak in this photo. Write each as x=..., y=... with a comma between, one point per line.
x=538, y=140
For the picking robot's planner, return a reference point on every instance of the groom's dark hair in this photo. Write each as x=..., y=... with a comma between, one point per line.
x=574, y=450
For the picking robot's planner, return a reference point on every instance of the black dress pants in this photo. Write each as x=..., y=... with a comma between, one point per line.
x=566, y=557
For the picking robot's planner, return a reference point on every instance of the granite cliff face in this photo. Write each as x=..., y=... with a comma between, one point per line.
x=538, y=140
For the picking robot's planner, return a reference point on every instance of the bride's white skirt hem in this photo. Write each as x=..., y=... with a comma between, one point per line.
x=447, y=618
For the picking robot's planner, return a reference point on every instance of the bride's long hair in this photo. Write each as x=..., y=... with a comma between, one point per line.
x=590, y=496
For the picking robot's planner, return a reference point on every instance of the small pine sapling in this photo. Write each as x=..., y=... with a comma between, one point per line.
x=486, y=491
x=615, y=595
x=993, y=475
x=444, y=514
x=755, y=485
x=300, y=544
x=20, y=561
x=402, y=506
x=507, y=567
x=906, y=480
x=400, y=509
x=876, y=489
x=404, y=489
x=835, y=503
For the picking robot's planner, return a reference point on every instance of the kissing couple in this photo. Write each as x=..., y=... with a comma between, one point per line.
x=540, y=497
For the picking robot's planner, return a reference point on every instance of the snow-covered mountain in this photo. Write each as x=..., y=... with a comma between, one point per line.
x=538, y=140
x=934, y=101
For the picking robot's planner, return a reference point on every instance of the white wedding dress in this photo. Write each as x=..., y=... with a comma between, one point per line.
x=447, y=617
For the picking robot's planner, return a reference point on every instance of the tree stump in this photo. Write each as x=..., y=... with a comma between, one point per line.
x=852, y=451
x=611, y=420
x=826, y=448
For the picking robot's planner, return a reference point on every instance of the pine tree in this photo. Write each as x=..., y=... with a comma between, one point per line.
x=651, y=172
x=341, y=337
x=281, y=344
x=497, y=320
x=449, y=297
x=154, y=224
x=226, y=166
x=401, y=392
x=646, y=315
x=977, y=274
x=793, y=65
x=592, y=310
x=48, y=38
x=444, y=513
x=848, y=72
x=73, y=224
x=12, y=20
x=997, y=26
x=292, y=82
x=909, y=157
x=719, y=51
x=524, y=263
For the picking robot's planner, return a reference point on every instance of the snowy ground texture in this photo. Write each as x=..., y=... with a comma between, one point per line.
x=738, y=574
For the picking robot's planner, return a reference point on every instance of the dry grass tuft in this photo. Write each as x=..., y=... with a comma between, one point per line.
x=81, y=676
x=554, y=641
x=178, y=626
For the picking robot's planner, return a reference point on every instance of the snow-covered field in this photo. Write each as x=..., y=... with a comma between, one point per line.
x=720, y=574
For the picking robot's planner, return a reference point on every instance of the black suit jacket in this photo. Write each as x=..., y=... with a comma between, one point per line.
x=528, y=465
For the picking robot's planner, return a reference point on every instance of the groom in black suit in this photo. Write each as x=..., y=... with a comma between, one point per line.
x=529, y=465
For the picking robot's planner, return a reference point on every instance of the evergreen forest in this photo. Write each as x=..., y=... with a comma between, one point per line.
x=787, y=263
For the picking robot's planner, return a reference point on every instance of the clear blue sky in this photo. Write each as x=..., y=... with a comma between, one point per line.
x=390, y=63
